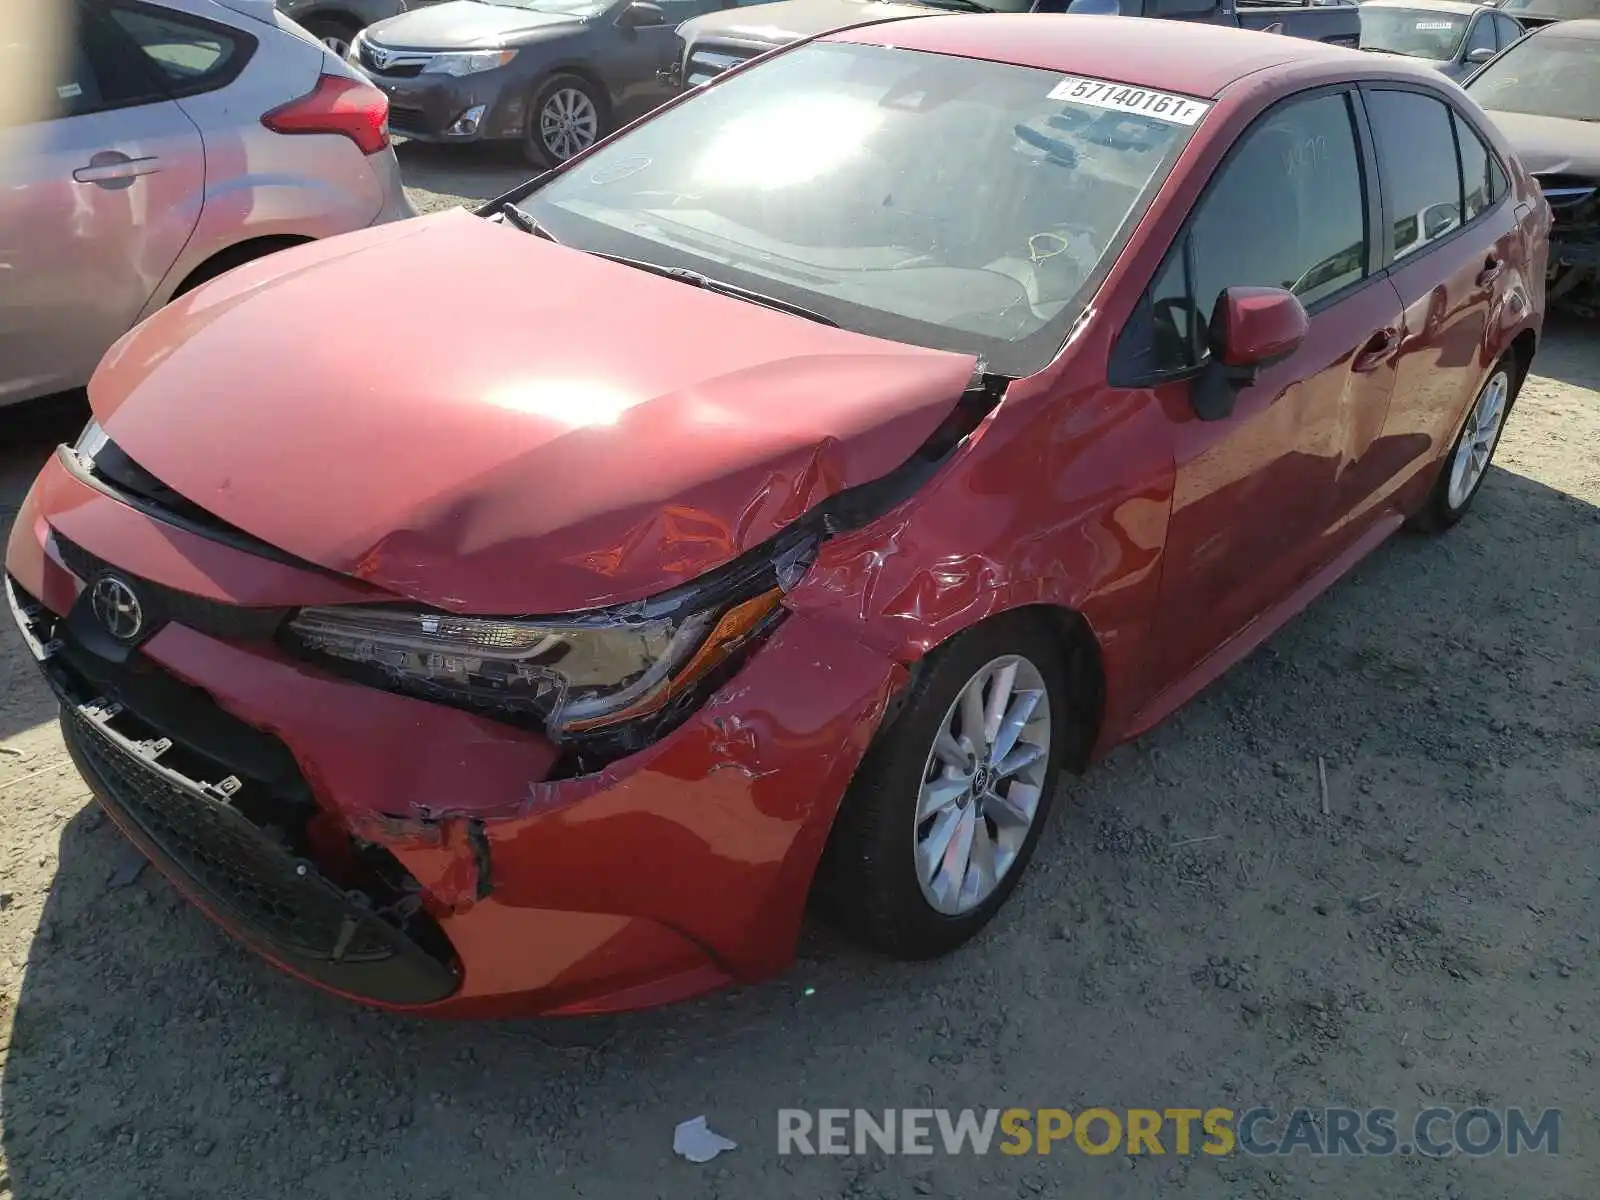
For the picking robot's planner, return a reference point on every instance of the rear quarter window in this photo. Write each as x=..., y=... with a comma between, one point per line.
x=188, y=54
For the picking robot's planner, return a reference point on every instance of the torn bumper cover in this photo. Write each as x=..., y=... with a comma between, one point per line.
x=1574, y=240
x=421, y=856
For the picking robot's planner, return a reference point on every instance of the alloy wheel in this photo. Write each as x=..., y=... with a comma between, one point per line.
x=982, y=783
x=338, y=44
x=568, y=122
x=1479, y=439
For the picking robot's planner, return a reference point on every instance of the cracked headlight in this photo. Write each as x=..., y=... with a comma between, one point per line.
x=621, y=675
x=468, y=63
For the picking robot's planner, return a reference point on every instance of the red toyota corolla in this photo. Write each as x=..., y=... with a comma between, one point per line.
x=768, y=505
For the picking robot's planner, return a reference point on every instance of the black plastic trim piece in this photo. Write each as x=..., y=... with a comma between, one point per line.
x=116, y=475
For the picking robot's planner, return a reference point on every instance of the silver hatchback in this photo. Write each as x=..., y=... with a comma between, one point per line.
x=149, y=145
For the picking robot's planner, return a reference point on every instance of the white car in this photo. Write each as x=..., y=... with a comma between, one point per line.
x=149, y=145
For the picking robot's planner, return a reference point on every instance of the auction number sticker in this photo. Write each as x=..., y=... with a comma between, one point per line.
x=1164, y=106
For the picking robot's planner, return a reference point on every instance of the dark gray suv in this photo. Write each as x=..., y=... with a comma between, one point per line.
x=553, y=75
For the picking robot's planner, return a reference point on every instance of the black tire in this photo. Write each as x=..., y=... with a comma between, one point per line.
x=1441, y=510
x=331, y=30
x=234, y=256
x=867, y=884
x=536, y=146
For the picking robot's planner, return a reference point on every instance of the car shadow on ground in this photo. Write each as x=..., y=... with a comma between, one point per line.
x=150, y=1056
x=1567, y=350
x=465, y=172
x=28, y=433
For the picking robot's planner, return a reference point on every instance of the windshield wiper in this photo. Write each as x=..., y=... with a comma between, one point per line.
x=524, y=222
x=960, y=5
x=706, y=283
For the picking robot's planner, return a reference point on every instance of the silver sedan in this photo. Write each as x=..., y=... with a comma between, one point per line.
x=147, y=146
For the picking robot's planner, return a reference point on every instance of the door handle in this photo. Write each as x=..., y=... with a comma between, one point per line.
x=1492, y=267
x=104, y=168
x=1376, y=351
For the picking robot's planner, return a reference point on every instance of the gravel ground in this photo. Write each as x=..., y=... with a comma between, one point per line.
x=1194, y=932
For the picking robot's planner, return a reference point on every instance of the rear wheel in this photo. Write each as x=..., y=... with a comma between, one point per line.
x=234, y=256
x=949, y=803
x=1467, y=464
x=567, y=116
x=336, y=33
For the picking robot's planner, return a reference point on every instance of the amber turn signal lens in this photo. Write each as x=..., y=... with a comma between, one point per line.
x=730, y=632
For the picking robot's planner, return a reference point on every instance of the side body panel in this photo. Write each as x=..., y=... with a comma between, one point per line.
x=261, y=184
x=94, y=211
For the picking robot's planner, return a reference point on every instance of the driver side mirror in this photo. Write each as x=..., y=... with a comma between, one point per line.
x=1481, y=55
x=642, y=13
x=1251, y=328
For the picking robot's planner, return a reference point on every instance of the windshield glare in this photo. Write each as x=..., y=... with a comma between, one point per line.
x=1416, y=32
x=1546, y=74
x=947, y=202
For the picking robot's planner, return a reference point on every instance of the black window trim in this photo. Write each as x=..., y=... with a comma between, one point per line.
x=1458, y=115
x=1121, y=376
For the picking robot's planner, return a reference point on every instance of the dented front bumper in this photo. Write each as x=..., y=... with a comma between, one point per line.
x=422, y=857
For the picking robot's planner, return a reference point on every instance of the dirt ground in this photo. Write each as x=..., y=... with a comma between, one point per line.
x=1194, y=932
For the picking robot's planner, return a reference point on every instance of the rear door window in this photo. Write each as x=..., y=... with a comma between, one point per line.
x=97, y=71
x=1287, y=209
x=1482, y=35
x=1482, y=180
x=1507, y=30
x=189, y=54
x=1417, y=161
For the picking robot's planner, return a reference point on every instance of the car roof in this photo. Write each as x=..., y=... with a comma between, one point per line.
x=1454, y=7
x=1178, y=56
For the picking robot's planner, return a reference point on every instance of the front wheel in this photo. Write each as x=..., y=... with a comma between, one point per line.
x=949, y=802
x=336, y=35
x=567, y=116
x=1466, y=466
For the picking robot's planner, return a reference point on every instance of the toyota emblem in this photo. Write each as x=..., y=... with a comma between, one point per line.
x=380, y=58
x=117, y=608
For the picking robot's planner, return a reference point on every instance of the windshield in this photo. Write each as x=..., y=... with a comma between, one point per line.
x=1547, y=74
x=1555, y=10
x=1416, y=32
x=948, y=202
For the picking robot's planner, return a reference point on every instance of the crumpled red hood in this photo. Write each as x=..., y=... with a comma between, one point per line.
x=488, y=422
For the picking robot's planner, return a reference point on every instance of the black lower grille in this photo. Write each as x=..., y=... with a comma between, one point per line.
x=250, y=878
x=406, y=120
x=275, y=896
x=223, y=809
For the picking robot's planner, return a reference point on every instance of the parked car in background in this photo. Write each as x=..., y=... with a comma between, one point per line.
x=840, y=455
x=1534, y=13
x=1544, y=94
x=175, y=139
x=336, y=22
x=712, y=43
x=1456, y=37
x=553, y=76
